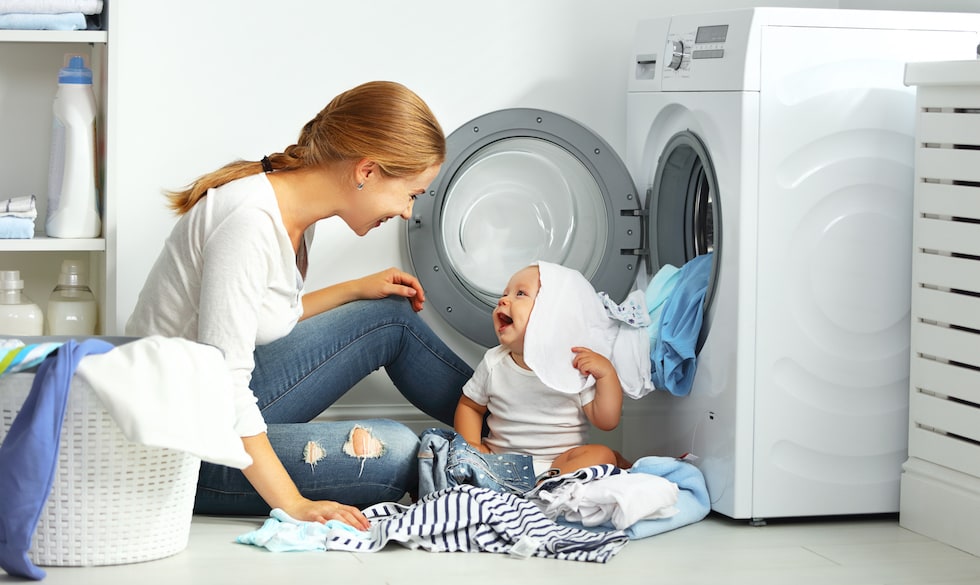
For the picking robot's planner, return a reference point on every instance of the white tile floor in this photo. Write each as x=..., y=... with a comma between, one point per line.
x=716, y=551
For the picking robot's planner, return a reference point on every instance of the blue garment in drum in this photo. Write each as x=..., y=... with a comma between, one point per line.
x=673, y=357
x=447, y=460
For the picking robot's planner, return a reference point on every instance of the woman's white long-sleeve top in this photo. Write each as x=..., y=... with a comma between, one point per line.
x=227, y=277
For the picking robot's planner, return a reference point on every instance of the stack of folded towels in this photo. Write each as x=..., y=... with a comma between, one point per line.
x=17, y=217
x=49, y=14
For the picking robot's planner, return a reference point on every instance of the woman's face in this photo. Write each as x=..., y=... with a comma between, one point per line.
x=383, y=198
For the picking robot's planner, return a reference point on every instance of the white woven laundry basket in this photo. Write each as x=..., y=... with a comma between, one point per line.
x=112, y=501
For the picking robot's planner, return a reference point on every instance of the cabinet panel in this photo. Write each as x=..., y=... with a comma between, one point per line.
x=29, y=64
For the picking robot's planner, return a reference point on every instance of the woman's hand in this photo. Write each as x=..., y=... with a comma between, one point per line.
x=374, y=286
x=324, y=510
x=392, y=282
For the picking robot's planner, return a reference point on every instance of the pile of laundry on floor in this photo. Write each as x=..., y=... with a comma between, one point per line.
x=588, y=515
x=50, y=14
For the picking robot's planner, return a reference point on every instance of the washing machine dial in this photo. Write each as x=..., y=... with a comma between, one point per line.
x=676, y=54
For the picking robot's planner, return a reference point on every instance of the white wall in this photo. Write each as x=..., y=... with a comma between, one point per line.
x=201, y=83
x=926, y=5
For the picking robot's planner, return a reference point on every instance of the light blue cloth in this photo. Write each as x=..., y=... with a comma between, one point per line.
x=657, y=293
x=692, y=498
x=673, y=358
x=26, y=21
x=29, y=454
x=282, y=533
x=16, y=228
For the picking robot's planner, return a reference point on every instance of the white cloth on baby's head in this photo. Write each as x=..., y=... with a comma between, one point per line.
x=568, y=313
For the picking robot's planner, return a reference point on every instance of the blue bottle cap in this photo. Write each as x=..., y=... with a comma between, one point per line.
x=75, y=72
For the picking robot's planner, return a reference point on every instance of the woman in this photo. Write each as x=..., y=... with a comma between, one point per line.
x=231, y=275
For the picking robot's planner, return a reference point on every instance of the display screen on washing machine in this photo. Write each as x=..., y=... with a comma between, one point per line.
x=712, y=34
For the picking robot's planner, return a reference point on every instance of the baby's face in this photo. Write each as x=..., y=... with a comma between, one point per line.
x=514, y=308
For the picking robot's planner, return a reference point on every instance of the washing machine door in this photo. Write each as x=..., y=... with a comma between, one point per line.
x=684, y=211
x=521, y=185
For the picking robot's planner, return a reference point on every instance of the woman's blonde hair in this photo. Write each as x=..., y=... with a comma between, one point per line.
x=382, y=121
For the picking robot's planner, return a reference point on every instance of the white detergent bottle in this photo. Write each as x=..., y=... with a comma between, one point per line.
x=71, y=307
x=18, y=314
x=73, y=197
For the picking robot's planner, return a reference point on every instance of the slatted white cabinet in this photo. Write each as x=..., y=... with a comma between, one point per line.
x=940, y=486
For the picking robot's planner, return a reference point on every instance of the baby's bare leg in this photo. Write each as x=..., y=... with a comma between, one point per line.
x=584, y=456
x=622, y=462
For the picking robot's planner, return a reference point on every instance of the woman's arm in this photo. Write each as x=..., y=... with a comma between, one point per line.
x=606, y=408
x=468, y=422
x=374, y=286
x=268, y=476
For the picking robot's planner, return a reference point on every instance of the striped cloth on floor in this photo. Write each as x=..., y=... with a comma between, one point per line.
x=463, y=518
x=15, y=356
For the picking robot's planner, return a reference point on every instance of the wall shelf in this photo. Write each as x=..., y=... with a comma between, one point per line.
x=46, y=244
x=53, y=36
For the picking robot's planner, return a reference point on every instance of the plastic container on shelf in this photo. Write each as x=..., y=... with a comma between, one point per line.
x=72, y=308
x=18, y=314
x=73, y=197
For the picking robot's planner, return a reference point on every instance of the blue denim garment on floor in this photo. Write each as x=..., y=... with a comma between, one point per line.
x=447, y=460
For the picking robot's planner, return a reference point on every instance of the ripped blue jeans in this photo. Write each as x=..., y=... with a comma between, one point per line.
x=298, y=376
x=446, y=459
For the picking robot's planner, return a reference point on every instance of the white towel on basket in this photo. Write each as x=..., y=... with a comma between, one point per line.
x=170, y=393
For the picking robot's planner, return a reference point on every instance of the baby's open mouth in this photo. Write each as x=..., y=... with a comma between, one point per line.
x=504, y=319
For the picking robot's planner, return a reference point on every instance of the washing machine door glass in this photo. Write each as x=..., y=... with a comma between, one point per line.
x=685, y=211
x=516, y=200
x=518, y=186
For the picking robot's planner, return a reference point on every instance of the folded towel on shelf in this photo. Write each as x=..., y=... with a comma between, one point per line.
x=50, y=6
x=16, y=228
x=27, y=21
x=25, y=206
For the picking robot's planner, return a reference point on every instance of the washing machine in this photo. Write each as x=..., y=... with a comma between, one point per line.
x=520, y=185
x=781, y=140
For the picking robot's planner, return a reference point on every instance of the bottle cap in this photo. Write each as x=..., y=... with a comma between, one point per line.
x=71, y=273
x=75, y=72
x=10, y=280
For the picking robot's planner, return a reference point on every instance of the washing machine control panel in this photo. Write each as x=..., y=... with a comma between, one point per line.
x=705, y=42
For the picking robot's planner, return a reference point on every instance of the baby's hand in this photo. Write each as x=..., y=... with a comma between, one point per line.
x=589, y=362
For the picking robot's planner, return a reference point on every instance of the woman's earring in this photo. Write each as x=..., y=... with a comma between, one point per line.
x=360, y=186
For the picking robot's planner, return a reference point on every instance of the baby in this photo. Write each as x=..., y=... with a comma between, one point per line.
x=525, y=415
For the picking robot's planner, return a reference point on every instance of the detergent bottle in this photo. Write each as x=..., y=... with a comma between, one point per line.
x=18, y=314
x=71, y=307
x=73, y=198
